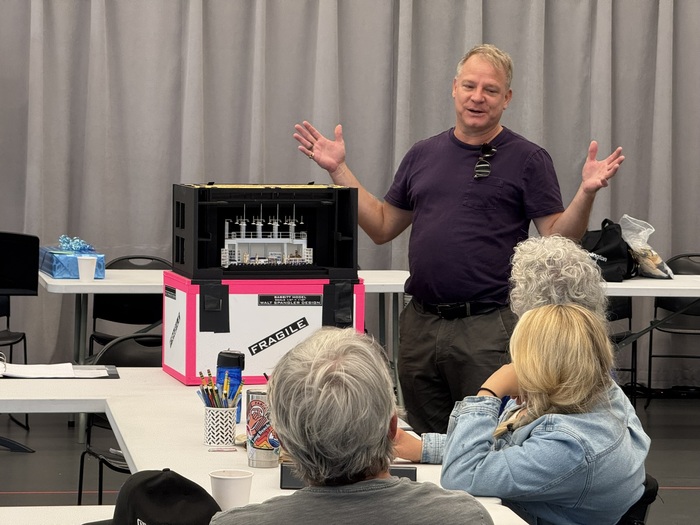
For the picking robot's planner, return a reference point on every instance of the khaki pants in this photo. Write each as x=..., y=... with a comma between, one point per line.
x=441, y=362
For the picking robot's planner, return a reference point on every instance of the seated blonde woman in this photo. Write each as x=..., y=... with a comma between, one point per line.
x=568, y=448
x=545, y=270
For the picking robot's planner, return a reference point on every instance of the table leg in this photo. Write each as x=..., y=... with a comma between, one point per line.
x=76, y=340
x=394, y=337
x=76, y=327
x=79, y=338
x=395, y=311
x=382, y=320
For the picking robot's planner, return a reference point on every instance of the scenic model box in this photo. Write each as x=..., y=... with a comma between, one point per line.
x=257, y=268
x=260, y=231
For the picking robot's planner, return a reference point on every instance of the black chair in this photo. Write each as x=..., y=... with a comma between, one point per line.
x=637, y=513
x=19, y=275
x=10, y=338
x=620, y=309
x=675, y=315
x=129, y=309
x=133, y=350
x=7, y=336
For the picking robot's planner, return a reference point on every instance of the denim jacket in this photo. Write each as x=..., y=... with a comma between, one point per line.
x=559, y=469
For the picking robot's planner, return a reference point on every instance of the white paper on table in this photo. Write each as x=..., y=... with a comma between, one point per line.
x=87, y=372
x=58, y=370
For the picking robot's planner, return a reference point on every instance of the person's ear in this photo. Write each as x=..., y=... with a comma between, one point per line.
x=393, y=426
x=508, y=97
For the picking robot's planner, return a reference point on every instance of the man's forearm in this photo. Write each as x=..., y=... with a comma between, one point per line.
x=573, y=221
x=374, y=216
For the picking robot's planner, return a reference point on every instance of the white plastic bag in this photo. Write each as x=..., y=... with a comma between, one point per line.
x=636, y=233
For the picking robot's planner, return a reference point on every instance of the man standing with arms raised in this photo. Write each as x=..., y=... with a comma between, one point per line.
x=469, y=193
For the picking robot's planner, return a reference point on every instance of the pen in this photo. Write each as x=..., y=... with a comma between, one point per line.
x=200, y=393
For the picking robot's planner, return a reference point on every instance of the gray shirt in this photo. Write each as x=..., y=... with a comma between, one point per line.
x=386, y=501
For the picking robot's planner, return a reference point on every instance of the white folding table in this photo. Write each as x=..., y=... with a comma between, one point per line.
x=158, y=423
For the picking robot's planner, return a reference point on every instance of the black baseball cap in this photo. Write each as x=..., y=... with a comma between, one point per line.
x=161, y=497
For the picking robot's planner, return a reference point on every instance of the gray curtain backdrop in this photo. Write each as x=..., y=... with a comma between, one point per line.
x=105, y=104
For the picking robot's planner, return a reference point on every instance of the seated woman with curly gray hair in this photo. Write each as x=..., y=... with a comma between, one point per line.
x=554, y=270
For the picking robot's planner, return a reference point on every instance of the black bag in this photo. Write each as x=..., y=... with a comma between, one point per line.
x=607, y=247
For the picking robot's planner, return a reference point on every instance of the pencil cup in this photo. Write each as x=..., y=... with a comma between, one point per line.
x=219, y=426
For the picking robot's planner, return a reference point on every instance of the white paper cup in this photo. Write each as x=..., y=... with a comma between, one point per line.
x=86, y=267
x=231, y=487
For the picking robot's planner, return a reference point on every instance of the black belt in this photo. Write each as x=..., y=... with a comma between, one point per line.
x=450, y=311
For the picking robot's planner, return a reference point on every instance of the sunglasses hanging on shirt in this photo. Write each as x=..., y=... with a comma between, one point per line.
x=483, y=166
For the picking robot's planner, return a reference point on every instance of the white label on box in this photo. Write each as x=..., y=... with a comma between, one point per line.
x=290, y=300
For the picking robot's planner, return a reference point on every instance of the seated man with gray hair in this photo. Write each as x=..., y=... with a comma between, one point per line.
x=545, y=270
x=333, y=409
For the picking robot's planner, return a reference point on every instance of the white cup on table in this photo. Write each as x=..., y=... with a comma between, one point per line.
x=86, y=267
x=231, y=487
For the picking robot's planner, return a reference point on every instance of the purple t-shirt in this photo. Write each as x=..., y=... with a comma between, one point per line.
x=464, y=229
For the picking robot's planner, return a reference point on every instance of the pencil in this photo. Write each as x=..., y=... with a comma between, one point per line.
x=237, y=395
x=227, y=384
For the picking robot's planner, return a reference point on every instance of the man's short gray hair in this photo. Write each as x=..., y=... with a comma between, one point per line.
x=496, y=57
x=331, y=402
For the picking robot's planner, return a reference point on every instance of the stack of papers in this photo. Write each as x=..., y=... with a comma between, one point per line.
x=59, y=370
